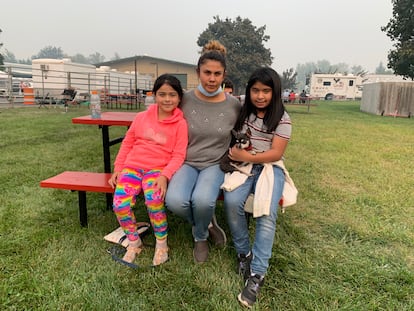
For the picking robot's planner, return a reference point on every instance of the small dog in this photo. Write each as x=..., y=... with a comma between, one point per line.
x=241, y=141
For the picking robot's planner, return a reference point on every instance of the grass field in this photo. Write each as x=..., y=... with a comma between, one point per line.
x=348, y=244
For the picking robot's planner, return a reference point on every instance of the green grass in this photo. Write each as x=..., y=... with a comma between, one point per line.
x=348, y=244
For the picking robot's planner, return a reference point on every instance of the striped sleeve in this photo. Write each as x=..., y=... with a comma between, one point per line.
x=284, y=129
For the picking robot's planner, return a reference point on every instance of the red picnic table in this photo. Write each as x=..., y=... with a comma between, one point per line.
x=106, y=120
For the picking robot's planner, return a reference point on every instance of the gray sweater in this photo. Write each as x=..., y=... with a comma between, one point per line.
x=209, y=128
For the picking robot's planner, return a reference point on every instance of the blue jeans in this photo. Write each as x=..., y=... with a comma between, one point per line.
x=265, y=225
x=192, y=195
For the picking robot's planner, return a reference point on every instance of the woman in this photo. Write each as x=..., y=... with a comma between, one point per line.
x=210, y=115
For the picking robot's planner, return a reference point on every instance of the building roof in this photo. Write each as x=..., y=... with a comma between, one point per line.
x=142, y=57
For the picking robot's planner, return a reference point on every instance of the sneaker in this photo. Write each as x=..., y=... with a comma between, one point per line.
x=216, y=233
x=243, y=267
x=251, y=290
x=200, y=251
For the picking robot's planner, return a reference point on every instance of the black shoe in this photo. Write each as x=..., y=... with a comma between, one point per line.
x=243, y=267
x=251, y=290
x=216, y=233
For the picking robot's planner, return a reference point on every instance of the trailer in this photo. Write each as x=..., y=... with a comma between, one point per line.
x=335, y=86
x=4, y=83
x=12, y=86
x=52, y=76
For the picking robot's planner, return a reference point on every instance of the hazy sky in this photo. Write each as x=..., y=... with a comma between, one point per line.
x=300, y=31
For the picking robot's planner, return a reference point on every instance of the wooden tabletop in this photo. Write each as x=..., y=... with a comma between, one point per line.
x=108, y=118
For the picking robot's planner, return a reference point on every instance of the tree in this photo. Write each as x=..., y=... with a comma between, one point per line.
x=358, y=70
x=381, y=70
x=49, y=52
x=1, y=56
x=288, y=79
x=400, y=29
x=9, y=57
x=116, y=57
x=79, y=58
x=96, y=58
x=305, y=71
x=244, y=44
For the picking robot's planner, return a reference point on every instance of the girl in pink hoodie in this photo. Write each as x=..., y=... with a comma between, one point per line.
x=153, y=149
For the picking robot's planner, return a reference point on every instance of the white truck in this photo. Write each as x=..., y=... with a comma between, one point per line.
x=335, y=86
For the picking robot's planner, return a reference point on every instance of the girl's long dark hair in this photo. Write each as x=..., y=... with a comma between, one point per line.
x=171, y=81
x=275, y=110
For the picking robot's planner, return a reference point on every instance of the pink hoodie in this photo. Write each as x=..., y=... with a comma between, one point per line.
x=150, y=144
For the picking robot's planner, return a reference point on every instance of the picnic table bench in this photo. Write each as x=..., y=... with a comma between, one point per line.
x=90, y=182
x=82, y=182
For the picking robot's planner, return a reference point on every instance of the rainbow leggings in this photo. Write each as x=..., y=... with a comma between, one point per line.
x=129, y=185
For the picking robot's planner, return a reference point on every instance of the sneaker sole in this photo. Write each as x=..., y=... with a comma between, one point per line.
x=243, y=302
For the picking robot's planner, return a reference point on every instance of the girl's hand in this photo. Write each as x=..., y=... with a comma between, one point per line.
x=275, y=153
x=237, y=154
x=161, y=185
x=114, y=179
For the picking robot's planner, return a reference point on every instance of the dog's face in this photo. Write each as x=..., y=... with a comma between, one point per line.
x=242, y=140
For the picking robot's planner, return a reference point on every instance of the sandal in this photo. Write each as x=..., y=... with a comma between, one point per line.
x=129, y=256
x=160, y=256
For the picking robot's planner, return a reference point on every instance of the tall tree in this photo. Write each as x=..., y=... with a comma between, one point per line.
x=116, y=56
x=50, y=52
x=1, y=56
x=245, y=47
x=381, y=70
x=9, y=57
x=288, y=79
x=400, y=29
x=358, y=70
x=79, y=58
x=96, y=58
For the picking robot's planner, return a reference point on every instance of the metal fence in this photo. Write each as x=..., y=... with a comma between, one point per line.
x=48, y=82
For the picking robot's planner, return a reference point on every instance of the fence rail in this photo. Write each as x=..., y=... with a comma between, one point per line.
x=48, y=83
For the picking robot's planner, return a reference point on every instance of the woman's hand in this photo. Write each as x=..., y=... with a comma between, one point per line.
x=114, y=179
x=161, y=185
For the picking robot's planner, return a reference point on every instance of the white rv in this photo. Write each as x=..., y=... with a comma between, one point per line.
x=4, y=78
x=335, y=86
x=11, y=86
x=52, y=76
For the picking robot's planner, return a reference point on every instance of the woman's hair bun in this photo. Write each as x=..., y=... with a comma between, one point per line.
x=214, y=45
